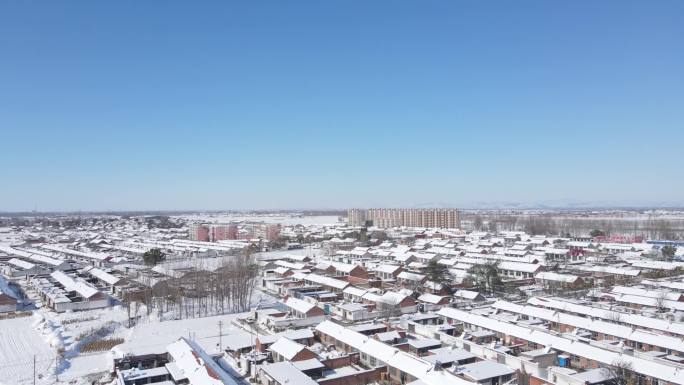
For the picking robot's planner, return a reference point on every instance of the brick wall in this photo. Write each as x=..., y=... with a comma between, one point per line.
x=358, y=378
x=338, y=362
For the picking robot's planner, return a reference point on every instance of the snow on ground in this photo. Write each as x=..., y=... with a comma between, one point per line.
x=306, y=251
x=320, y=220
x=19, y=343
x=155, y=337
x=46, y=331
x=85, y=365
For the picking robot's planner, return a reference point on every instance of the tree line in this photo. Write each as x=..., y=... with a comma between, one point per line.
x=576, y=225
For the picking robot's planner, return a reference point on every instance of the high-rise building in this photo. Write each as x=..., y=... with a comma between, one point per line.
x=438, y=218
x=356, y=217
x=199, y=232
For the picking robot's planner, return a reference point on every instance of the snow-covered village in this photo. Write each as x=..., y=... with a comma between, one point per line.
x=381, y=296
x=375, y=192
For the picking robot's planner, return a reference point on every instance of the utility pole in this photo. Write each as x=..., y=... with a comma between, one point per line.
x=57, y=368
x=220, y=325
x=34, y=369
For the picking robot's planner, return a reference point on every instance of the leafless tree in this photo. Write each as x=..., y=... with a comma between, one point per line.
x=621, y=372
x=477, y=222
x=388, y=310
x=614, y=316
x=660, y=301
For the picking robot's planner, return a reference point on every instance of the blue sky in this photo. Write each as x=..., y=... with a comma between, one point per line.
x=329, y=104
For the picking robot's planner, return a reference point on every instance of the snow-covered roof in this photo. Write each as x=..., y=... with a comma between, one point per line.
x=70, y=284
x=286, y=348
x=645, y=301
x=599, y=326
x=290, y=334
x=77, y=253
x=286, y=373
x=430, y=298
x=355, y=291
x=556, y=277
x=448, y=354
x=33, y=256
x=648, y=293
x=196, y=365
x=518, y=266
x=466, y=294
x=424, y=343
x=570, y=346
x=626, y=318
x=607, y=269
x=299, y=305
x=408, y=363
x=102, y=275
x=343, y=267
x=291, y=265
x=482, y=370
x=326, y=281
x=21, y=263
x=411, y=276
x=385, y=268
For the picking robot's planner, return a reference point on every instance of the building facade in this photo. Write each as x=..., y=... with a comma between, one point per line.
x=356, y=217
x=212, y=233
x=384, y=217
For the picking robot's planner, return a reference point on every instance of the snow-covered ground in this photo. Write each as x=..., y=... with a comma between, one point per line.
x=320, y=220
x=46, y=332
x=307, y=251
x=153, y=337
x=78, y=368
x=20, y=342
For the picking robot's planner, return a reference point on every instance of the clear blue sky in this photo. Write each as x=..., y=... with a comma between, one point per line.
x=328, y=104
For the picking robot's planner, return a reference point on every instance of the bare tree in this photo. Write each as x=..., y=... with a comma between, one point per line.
x=388, y=310
x=621, y=372
x=614, y=316
x=477, y=222
x=660, y=301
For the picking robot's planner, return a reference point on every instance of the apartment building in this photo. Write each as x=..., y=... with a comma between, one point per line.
x=356, y=217
x=384, y=217
x=212, y=233
x=199, y=232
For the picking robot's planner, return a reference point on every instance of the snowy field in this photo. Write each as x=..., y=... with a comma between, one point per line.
x=19, y=343
x=154, y=337
x=320, y=220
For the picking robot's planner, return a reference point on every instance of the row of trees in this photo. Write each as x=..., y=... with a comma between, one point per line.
x=578, y=225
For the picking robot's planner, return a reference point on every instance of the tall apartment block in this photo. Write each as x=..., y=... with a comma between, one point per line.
x=440, y=218
x=199, y=232
x=356, y=217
